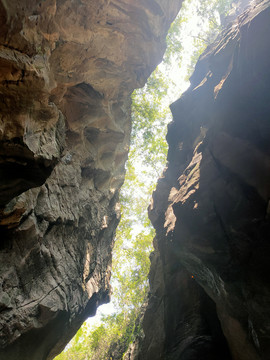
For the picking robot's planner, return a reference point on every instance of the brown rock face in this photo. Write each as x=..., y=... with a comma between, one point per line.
x=67, y=69
x=210, y=284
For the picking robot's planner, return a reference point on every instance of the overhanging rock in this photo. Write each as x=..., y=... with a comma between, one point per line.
x=67, y=71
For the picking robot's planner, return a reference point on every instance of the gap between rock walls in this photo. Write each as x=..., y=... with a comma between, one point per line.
x=150, y=114
x=68, y=70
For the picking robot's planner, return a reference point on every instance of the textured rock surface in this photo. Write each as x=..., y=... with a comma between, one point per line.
x=67, y=71
x=210, y=285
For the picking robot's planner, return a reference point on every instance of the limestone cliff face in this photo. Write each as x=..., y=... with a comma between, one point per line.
x=210, y=285
x=67, y=69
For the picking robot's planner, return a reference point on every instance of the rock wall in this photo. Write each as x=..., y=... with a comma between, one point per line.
x=67, y=69
x=210, y=284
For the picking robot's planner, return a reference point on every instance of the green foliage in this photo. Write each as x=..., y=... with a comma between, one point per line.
x=207, y=20
x=77, y=349
x=149, y=118
x=147, y=158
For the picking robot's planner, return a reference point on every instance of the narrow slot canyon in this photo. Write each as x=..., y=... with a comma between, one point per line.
x=69, y=69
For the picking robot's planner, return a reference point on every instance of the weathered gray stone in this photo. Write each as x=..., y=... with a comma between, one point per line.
x=67, y=71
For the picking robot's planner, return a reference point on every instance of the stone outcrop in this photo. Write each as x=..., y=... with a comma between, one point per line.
x=210, y=285
x=67, y=71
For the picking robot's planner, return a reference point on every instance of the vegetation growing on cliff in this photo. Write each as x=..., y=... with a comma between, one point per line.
x=150, y=113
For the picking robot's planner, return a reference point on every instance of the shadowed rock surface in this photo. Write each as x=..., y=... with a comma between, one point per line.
x=67, y=69
x=210, y=284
